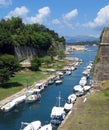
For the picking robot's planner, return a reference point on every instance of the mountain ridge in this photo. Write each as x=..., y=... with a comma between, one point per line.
x=80, y=38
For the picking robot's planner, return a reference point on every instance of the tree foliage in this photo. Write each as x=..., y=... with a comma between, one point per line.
x=14, y=32
x=35, y=64
x=8, y=65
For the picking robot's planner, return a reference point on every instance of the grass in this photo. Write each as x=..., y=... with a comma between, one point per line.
x=92, y=115
x=18, y=82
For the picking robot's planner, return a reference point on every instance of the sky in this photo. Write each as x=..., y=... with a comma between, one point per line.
x=65, y=17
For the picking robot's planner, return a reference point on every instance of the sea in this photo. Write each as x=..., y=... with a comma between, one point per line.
x=41, y=109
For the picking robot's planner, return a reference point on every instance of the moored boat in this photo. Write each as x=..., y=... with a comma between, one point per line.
x=39, y=87
x=86, y=87
x=72, y=98
x=78, y=90
x=32, y=98
x=57, y=114
x=35, y=125
x=68, y=106
x=8, y=106
x=58, y=81
x=19, y=99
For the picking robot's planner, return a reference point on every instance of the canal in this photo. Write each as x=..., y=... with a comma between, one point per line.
x=41, y=110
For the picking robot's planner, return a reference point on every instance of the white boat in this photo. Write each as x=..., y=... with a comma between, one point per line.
x=57, y=114
x=73, y=68
x=68, y=106
x=32, y=98
x=86, y=87
x=61, y=74
x=8, y=106
x=86, y=72
x=68, y=72
x=72, y=98
x=20, y=99
x=35, y=125
x=59, y=81
x=78, y=90
x=46, y=127
x=39, y=87
x=50, y=81
x=82, y=82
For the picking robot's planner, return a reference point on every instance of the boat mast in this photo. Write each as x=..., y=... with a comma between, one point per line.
x=59, y=98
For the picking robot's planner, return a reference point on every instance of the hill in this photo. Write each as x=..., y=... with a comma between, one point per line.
x=80, y=38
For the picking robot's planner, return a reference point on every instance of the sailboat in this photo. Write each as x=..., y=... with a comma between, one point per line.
x=57, y=113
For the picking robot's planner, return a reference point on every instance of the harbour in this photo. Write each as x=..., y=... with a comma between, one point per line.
x=41, y=110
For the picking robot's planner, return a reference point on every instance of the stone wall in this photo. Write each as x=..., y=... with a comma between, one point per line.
x=101, y=68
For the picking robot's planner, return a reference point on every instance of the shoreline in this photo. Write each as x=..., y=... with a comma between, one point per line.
x=75, y=109
x=24, y=90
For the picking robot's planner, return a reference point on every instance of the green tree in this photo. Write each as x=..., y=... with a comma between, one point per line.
x=52, y=52
x=8, y=65
x=47, y=60
x=61, y=54
x=35, y=64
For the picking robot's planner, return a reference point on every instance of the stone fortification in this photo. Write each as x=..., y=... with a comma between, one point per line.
x=101, y=68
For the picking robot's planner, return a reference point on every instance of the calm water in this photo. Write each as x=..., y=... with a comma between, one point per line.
x=41, y=110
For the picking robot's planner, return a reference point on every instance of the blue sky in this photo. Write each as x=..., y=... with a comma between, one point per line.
x=66, y=17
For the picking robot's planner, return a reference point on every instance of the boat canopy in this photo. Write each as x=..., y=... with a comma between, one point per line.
x=57, y=111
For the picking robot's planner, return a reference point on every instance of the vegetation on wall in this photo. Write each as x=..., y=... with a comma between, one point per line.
x=15, y=35
x=13, y=32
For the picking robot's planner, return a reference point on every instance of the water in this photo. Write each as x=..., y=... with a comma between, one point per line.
x=41, y=110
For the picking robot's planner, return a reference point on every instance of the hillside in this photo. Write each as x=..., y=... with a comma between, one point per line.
x=27, y=40
x=80, y=38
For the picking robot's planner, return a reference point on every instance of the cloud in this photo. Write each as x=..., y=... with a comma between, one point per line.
x=56, y=21
x=5, y=2
x=40, y=17
x=101, y=20
x=70, y=15
x=22, y=11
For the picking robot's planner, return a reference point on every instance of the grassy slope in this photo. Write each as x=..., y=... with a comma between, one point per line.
x=92, y=115
x=16, y=83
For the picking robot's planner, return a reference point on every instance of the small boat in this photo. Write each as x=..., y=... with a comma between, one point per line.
x=86, y=87
x=59, y=81
x=51, y=81
x=20, y=99
x=61, y=74
x=78, y=90
x=82, y=82
x=73, y=68
x=39, y=87
x=68, y=106
x=35, y=125
x=32, y=98
x=8, y=106
x=72, y=98
x=57, y=114
x=68, y=72
x=46, y=127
